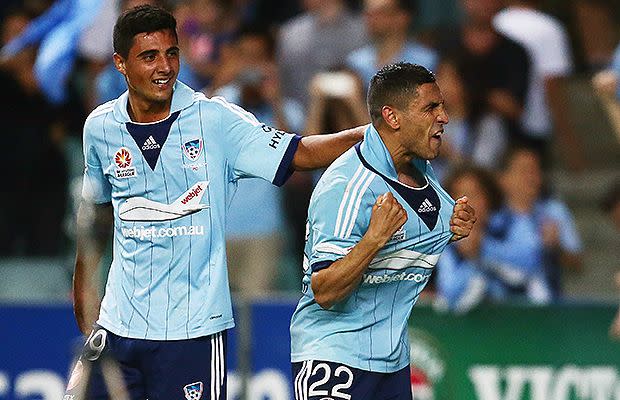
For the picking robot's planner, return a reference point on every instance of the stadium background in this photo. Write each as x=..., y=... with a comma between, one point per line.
x=515, y=350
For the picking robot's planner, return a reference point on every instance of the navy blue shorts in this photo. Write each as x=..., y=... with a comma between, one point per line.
x=326, y=380
x=114, y=367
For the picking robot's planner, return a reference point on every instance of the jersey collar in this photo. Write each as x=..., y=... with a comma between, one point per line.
x=182, y=97
x=377, y=155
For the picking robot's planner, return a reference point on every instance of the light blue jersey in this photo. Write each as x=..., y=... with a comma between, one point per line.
x=170, y=183
x=368, y=330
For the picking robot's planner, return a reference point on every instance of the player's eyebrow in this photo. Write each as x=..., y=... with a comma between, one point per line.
x=432, y=105
x=152, y=52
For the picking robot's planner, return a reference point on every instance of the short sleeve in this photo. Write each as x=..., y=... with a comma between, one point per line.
x=95, y=186
x=338, y=216
x=253, y=149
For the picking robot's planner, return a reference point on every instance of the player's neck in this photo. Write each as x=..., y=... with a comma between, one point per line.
x=410, y=176
x=145, y=112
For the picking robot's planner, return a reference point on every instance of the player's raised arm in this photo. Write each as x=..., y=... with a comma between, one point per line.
x=318, y=151
x=94, y=225
x=334, y=283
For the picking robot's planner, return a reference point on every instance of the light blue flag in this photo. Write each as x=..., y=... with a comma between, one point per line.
x=58, y=32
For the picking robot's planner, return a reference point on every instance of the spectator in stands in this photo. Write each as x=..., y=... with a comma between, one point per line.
x=462, y=278
x=254, y=240
x=545, y=119
x=32, y=212
x=533, y=238
x=207, y=29
x=388, y=23
x=317, y=40
x=494, y=70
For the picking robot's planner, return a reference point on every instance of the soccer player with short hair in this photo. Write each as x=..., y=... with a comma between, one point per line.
x=378, y=221
x=162, y=162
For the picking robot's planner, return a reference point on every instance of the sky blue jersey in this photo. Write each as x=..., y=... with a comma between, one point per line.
x=170, y=183
x=368, y=329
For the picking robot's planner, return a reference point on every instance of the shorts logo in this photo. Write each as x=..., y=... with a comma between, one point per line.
x=192, y=149
x=123, y=160
x=193, y=391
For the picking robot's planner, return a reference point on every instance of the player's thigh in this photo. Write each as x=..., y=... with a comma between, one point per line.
x=317, y=380
x=188, y=369
x=103, y=370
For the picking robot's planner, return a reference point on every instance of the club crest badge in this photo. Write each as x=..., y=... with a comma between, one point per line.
x=193, y=391
x=192, y=149
x=123, y=160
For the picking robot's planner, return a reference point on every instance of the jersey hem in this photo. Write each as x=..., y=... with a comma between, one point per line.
x=375, y=365
x=171, y=336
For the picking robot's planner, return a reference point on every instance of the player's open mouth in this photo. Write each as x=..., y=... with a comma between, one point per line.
x=438, y=135
x=161, y=81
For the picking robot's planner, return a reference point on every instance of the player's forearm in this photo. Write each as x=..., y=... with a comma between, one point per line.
x=318, y=151
x=86, y=300
x=335, y=283
x=93, y=226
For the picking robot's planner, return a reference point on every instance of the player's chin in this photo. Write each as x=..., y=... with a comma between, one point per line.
x=433, y=153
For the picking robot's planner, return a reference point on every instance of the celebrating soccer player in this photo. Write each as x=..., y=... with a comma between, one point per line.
x=161, y=163
x=378, y=221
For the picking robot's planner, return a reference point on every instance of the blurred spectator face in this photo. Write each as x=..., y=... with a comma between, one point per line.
x=481, y=10
x=523, y=177
x=257, y=70
x=479, y=38
x=253, y=49
x=469, y=185
x=385, y=17
x=451, y=82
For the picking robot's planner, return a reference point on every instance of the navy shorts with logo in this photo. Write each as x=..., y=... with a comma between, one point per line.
x=114, y=367
x=326, y=380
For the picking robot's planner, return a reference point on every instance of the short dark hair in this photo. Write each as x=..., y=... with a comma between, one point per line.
x=143, y=18
x=396, y=85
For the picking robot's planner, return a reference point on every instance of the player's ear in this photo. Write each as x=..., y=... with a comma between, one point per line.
x=119, y=63
x=390, y=117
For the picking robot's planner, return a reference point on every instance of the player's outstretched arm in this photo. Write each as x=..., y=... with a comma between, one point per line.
x=462, y=220
x=318, y=151
x=94, y=224
x=336, y=282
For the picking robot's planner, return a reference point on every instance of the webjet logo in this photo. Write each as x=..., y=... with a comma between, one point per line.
x=370, y=279
x=143, y=209
x=144, y=233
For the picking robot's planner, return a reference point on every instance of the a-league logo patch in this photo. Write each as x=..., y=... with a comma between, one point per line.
x=123, y=160
x=193, y=391
x=192, y=149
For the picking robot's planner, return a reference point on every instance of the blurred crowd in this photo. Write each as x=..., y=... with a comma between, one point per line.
x=303, y=66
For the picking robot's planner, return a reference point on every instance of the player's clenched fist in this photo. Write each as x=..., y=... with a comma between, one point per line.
x=463, y=219
x=387, y=217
